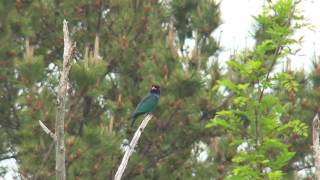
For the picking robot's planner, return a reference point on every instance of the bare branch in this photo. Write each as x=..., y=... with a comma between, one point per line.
x=316, y=146
x=131, y=147
x=47, y=130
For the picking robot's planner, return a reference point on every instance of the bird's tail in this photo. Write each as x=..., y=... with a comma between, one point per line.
x=133, y=118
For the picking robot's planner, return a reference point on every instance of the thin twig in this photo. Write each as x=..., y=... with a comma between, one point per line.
x=130, y=149
x=110, y=126
x=273, y=63
x=44, y=160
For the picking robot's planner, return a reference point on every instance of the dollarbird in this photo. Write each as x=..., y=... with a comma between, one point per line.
x=148, y=104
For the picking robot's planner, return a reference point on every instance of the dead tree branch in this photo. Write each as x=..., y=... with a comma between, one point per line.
x=131, y=147
x=58, y=137
x=48, y=131
x=316, y=145
x=61, y=103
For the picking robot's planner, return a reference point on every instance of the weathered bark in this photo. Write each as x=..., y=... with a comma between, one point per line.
x=61, y=104
x=316, y=146
x=130, y=149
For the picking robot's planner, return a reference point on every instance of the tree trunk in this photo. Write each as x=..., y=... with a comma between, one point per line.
x=61, y=104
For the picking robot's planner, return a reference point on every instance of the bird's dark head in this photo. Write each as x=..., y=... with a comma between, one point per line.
x=155, y=89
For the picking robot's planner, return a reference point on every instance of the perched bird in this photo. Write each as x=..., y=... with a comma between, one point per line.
x=148, y=104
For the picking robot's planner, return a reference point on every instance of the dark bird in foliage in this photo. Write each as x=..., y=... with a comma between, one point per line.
x=148, y=104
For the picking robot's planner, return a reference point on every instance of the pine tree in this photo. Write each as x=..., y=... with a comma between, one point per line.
x=125, y=46
x=122, y=48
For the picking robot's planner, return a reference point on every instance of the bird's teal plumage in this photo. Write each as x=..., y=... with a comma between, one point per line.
x=148, y=104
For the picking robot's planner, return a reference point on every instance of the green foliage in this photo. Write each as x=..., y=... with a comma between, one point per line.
x=128, y=46
x=86, y=73
x=256, y=122
x=287, y=82
x=248, y=123
x=31, y=69
x=201, y=16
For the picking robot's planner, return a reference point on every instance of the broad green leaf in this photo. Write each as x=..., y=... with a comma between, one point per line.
x=225, y=113
x=240, y=100
x=275, y=175
x=218, y=122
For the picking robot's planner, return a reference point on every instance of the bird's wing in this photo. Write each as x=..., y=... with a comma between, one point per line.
x=147, y=104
